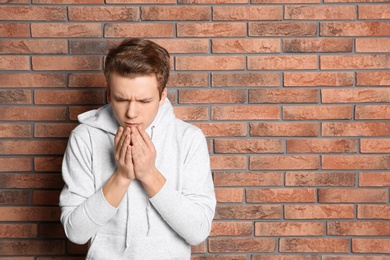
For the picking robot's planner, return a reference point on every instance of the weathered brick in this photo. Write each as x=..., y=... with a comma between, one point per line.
x=41, y=197
x=15, y=113
x=285, y=1
x=231, y=229
x=380, y=61
x=321, y=12
x=188, y=79
x=191, y=113
x=354, y=257
x=15, y=131
x=175, y=13
x=210, y=63
x=330, y=211
x=53, y=130
x=29, y=214
x=318, y=79
x=282, y=29
x=47, y=164
x=212, y=1
x=215, y=29
x=18, y=230
x=374, y=11
x=322, y=146
x=317, y=45
x=245, y=46
x=373, y=211
x=33, y=46
x=19, y=164
x=92, y=46
x=372, y=45
x=332, y=245
x=15, y=97
x=283, y=96
x=375, y=146
x=316, y=112
x=211, y=96
x=248, y=146
x=31, y=247
x=228, y=162
x=14, y=197
x=346, y=228
x=371, y=245
x=289, y=229
x=14, y=30
x=11, y=181
x=246, y=79
x=355, y=195
x=87, y=80
x=229, y=195
x=242, y=245
x=355, y=129
x=284, y=256
x=106, y=13
x=37, y=13
x=184, y=45
x=63, y=30
x=248, y=212
x=51, y=230
x=73, y=2
x=284, y=129
x=375, y=78
x=201, y=248
x=245, y=112
x=247, y=13
x=264, y=195
x=373, y=162
x=355, y=29
x=66, y=63
x=140, y=2
x=87, y=97
x=294, y=62
x=139, y=30
x=310, y=179
x=356, y=95
x=308, y=162
x=378, y=179
x=33, y=80
x=31, y=147
x=14, y=63
x=247, y=179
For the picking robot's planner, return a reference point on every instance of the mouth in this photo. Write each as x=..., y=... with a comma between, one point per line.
x=132, y=124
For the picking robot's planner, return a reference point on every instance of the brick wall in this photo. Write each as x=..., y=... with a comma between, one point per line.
x=293, y=96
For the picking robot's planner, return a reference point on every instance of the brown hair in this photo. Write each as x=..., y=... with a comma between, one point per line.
x=138, y=57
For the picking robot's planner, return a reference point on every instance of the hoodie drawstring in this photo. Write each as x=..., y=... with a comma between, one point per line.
x=147, y=198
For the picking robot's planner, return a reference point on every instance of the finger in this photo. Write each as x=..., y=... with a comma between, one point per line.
x=137, y=142
x=125, y=133
x=124, y=148
x=118, y=136
x=145, y=137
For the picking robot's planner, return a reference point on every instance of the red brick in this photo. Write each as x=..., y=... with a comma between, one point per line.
x=375, y=146
x=74, y=111
x=321, y=146
x=245, y=79
x=372, y=45
x=87, y=80
x=355, y=29
x=231, y=229
x=33, y=46
x=289, y=229
x=282, y=29
x=140, y=2
x=20, y=164
x=67, y=2
x=378, y=179
x=53, y=130
x=355, y=62
x=355, y=129
x=47, y=164
x=63, y=30
x=358, y=228
x=373, y=162
x=277, y=195
x=191, y=113
x=247, y=179
x=15, y=130
x=188, y=80
x=242, y=245
x=228, y=162
x=14, y=63
x=31, y=247
x=14, y=30
x=245, y=46
x=223, y=129
x=201, y=248
x=29, y=214
x=310, y=179
x=210, y=63
x=229, y=195
x=106, y=13
x=175, y=13
x=20, y=258
x=30, y=181
x=371, y=245
x=318, y=79
x=362, y=95
x=316, y=112
x=323, y=12
x=87, y=97
x=373, y=12
x=14, y=197
x=276, y=96
x=41, y=197
x=284, y=129
x=317, y=45
x=284, y=162
x=66, y=63
x=331, y=211
x=212, y=1
x=284, y=256
x=184, y=46
x=218, y=257
x=332, y=245
x=372, y=112
x=32, y=113
x=354, y=257
x=294, y=62
x=247, y=13
x=139, y=30
x=37, y=13
x=373, y=211
x=75, y=249
x=355, y=195
x=248, y=146
x=27, y=80
x=375, y=78
x=18, y=230
x=249, y=212
x=92, y=46
x=245, y=112
x=212, y=96
x=15, y=96
x=214, y=29
x=31, y=147
x=51, y=230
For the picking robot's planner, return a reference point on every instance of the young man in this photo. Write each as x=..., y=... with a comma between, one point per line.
x=138, y=183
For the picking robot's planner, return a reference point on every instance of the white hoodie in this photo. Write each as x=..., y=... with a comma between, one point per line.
x=161, y=227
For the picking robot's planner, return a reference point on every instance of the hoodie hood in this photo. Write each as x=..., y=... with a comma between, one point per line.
x=104, y=119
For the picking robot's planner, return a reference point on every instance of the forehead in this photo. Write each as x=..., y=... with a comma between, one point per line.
x=140, y=85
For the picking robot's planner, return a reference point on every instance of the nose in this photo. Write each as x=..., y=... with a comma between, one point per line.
x=132, y=110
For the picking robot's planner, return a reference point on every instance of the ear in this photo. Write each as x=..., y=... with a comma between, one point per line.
x=163, y=96
x=108, y=93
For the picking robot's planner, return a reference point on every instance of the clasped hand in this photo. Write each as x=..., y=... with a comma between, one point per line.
x=135, y=153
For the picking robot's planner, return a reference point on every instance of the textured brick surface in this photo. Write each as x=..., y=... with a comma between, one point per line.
x=292, y=95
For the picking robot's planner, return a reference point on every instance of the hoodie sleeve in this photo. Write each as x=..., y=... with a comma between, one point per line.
x=83, y=208
x=190, y=211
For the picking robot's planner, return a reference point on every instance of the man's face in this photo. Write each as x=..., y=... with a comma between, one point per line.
x=135, y=101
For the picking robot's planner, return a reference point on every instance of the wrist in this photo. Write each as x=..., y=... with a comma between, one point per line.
x=153, y=182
